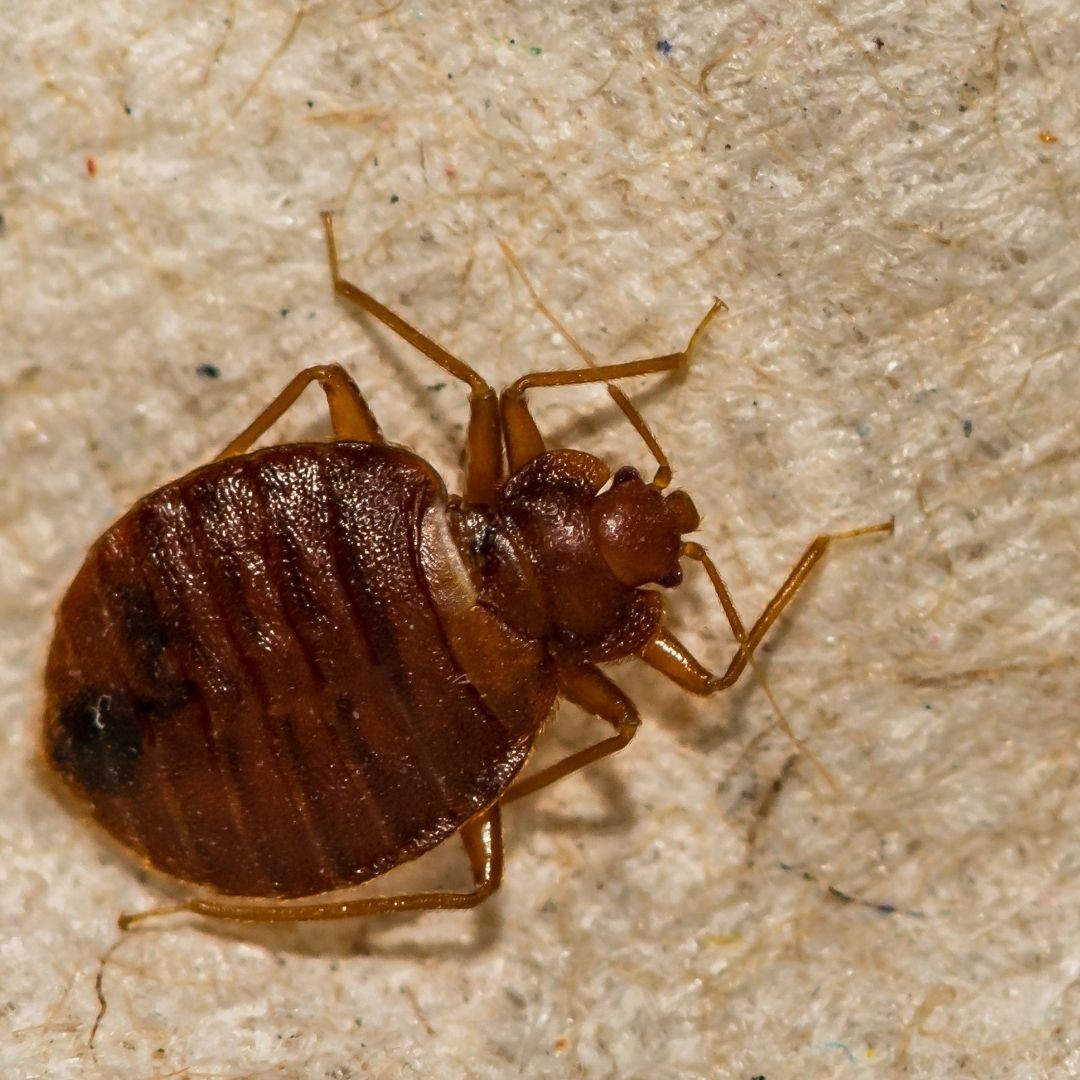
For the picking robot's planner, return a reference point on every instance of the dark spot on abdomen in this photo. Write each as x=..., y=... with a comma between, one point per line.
x=98, y=741
x=142, y=627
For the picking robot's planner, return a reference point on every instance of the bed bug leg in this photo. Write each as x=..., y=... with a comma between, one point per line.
x=670, y=657
x=484, y=445
x=523, y=438
x=350, y=415
x=482, y=837
x=528, y=437
x=594, y=692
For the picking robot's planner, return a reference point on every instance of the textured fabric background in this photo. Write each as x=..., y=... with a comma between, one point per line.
x=885, y=195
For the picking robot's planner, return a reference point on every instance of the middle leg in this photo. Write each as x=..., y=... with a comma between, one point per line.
x=483, y=466
x=585, y=686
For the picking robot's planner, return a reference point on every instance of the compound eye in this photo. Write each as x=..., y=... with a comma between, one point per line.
x=671, y=579
x=624, y=475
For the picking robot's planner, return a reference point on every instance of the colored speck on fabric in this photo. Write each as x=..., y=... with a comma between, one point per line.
x=535, y=50
x=663, y=46
x=208, y=371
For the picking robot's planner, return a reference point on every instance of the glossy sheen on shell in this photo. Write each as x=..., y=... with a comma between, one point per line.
x=254, y=684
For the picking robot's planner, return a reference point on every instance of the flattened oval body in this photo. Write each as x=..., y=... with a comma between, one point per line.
x=257, y=683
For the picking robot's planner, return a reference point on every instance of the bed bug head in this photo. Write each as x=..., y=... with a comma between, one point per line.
x=639, y=529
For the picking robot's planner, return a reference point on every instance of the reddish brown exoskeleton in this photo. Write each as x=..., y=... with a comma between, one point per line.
x=297, y=667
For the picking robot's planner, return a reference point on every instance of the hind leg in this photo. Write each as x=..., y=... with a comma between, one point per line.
x=349, y=412
x=482, y=838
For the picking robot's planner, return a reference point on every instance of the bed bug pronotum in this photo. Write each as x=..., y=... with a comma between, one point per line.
x=297, y=667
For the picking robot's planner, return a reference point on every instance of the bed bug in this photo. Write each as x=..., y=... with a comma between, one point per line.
x=297, y=667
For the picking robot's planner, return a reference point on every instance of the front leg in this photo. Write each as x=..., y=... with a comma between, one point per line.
x=523, y=438
x=671, y=658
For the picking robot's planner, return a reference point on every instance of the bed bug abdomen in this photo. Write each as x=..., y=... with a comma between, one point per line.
x=251, y=685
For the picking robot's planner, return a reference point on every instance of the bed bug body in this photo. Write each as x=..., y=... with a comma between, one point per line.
x=298, y=667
